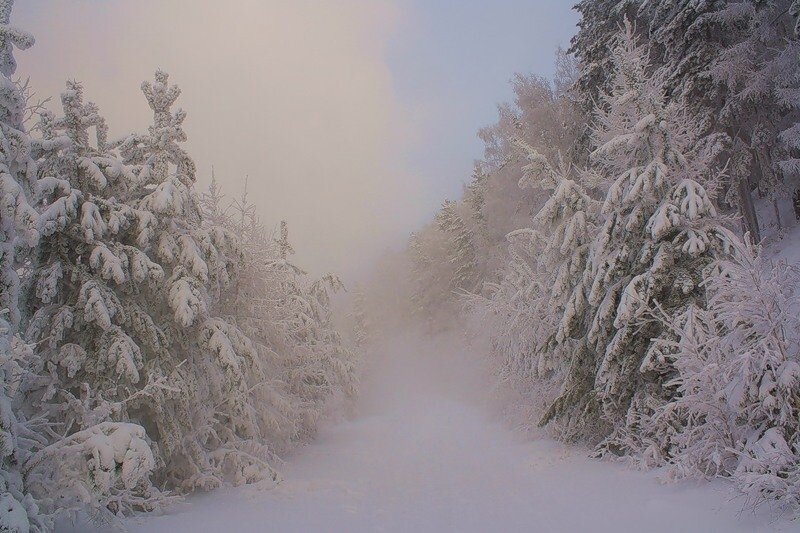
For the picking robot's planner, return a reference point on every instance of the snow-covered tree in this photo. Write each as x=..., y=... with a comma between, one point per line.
x=361, y=322
x=738, y=379
x=87, y=313
x=250, y=303
x=212, y=204
x=205, y=424
x=429, y=274
x=19, y=185
x=320, y=367
x=19, y=438
x=759, y=75
x=545, y=114
x=546, y=262
x=302, y=365
x=19, y=230
x=733, y=64
x=596, y=38
x=659, y=231
x=460, y=248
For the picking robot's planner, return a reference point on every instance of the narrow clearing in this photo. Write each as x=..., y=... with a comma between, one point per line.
x=422, y=452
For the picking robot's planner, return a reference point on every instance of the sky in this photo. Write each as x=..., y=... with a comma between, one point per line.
x=350, y=119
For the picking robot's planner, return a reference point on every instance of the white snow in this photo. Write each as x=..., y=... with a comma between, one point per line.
x=425, y=451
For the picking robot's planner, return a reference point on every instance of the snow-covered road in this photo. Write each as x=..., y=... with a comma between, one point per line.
x=422, y=453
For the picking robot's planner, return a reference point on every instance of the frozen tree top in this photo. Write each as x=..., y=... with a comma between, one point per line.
x=9, y=38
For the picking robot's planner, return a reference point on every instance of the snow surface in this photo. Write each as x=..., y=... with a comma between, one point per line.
x=424, y=451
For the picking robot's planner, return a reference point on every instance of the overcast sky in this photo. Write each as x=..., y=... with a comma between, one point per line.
x=352, y=118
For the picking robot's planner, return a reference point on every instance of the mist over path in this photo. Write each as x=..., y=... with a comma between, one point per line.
x=423, y=452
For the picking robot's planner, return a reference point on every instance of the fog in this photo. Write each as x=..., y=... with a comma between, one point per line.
x=353, y=119
x=539, y=264
x=295, y=95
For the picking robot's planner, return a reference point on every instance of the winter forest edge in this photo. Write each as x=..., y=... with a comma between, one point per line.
x=156, y=341
x=628, y=243
x=606, y=242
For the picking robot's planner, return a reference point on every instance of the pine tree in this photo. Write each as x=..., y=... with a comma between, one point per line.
x=85, y=309
x=212, y=204
x=738, y=380
x=660, y=231
x=430, y=275
x=760, y=76
x=254, y=302
x=593, y=44
x=206, y=429
x=19, y=230
x=546, y=262
x=476, y=196
x=461, y=248
x=564, y=227
x=687, y=46
x=320, y=369
x=734, y=65
x=302, y=364
x=19, y=186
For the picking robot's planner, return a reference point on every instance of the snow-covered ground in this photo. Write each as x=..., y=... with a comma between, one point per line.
x=423, y=453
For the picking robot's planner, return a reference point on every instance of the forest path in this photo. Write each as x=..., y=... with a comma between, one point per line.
x=422, y=452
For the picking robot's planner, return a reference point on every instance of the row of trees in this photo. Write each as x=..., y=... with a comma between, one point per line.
x=153, y=341
x=631, y=310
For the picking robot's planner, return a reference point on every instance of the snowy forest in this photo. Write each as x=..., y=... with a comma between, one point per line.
x=623, y=266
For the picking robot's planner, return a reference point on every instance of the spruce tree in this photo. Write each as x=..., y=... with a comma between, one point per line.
x=659, y=232
x=85, y=307
x=593, y=44
x=19, y=230
x=546, y=262
x=461, y=248
x=738, y=379
x=209, y=441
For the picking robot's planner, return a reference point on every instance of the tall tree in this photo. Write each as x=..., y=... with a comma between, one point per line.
x=460, y=248
x=537, y=287
x=19, y=230
x=600, y=21
x=659, y=232
x=203, y=442
x=734, y=64
x=87, y=313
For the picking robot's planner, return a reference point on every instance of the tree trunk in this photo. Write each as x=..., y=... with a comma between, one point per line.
x=796, y=203
x=777, y=213
x=748, y=210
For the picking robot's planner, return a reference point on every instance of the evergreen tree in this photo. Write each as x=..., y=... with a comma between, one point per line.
x=761, y=75
x=536, y=290
x=205, y=427
x=659, y=232
x=19, y=185
x=19, y=230
x=738, y=380
x=303, y=365
x=734, y=65
x=600, y=21
x=91, y=331
x=430, y=274
x=461, y=248
x=476, y=196
x=212, y=206
x=361, y=326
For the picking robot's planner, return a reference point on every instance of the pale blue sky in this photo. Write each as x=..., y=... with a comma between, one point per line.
x=451, y=64
x=353, y=118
